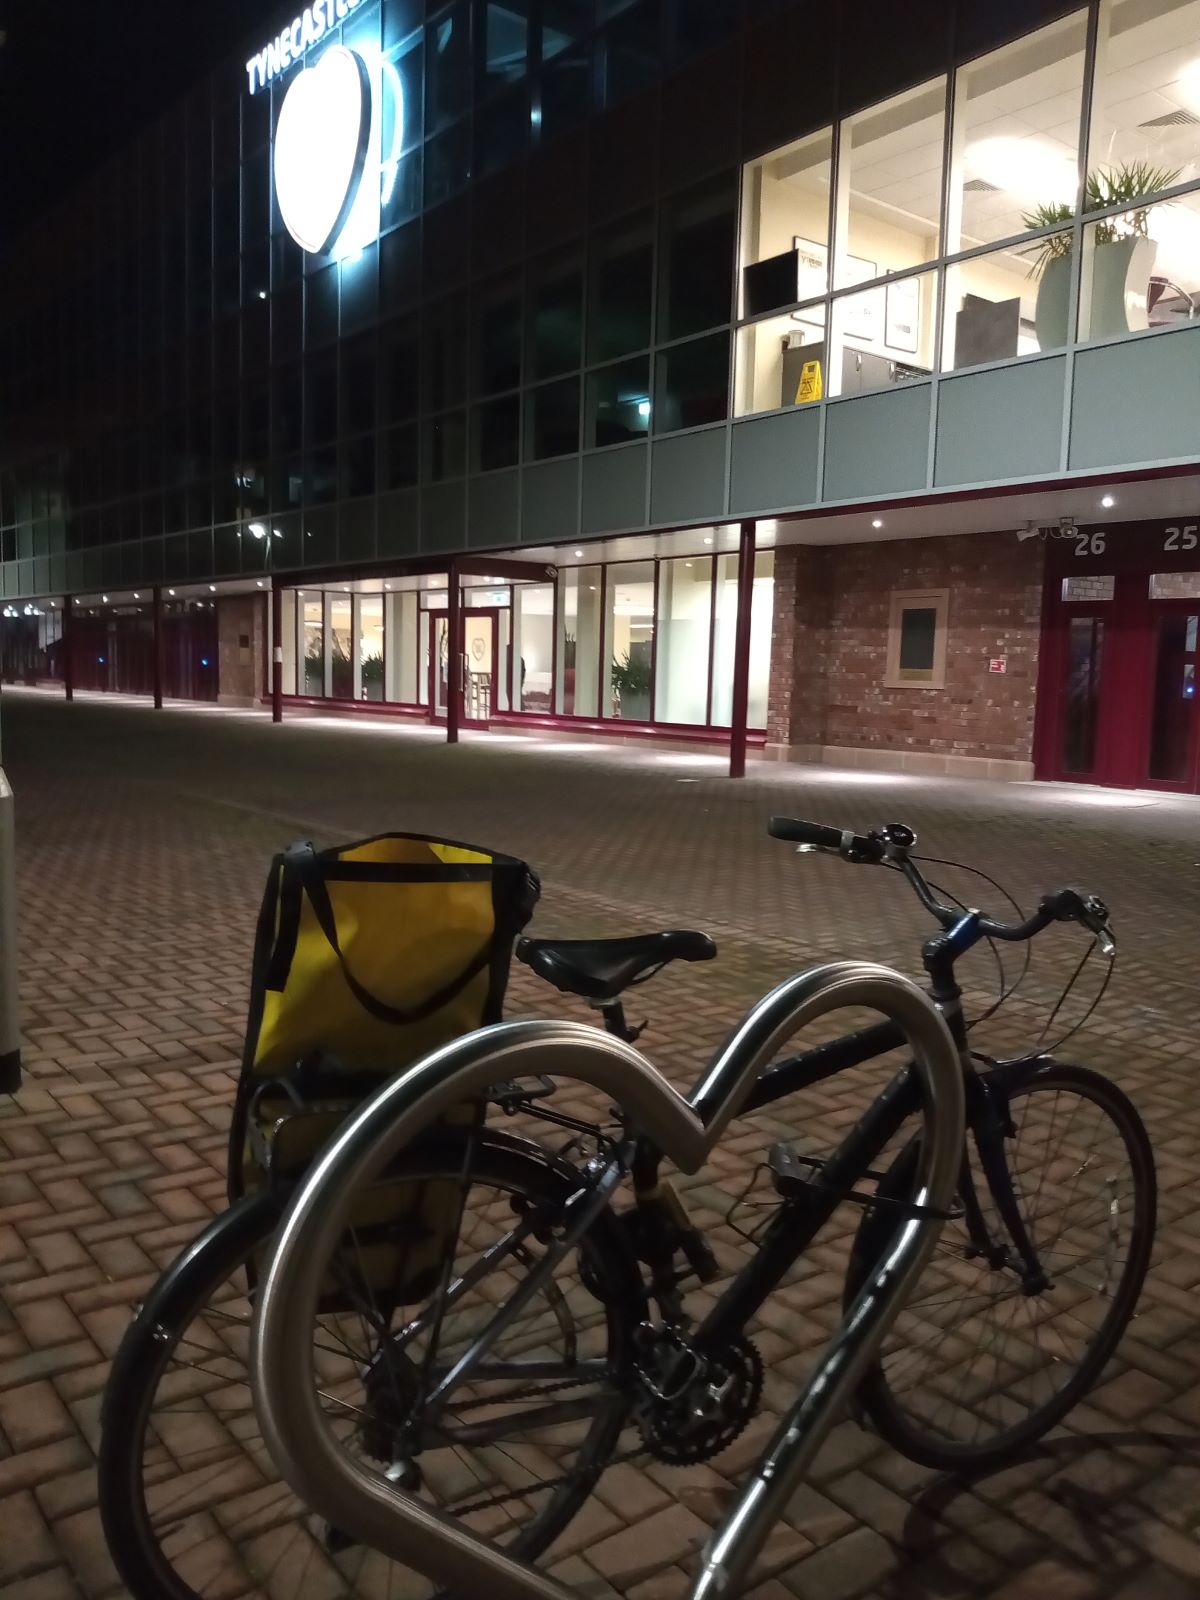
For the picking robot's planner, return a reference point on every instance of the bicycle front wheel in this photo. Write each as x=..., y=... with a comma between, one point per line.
x=193, y=1508
x=980, y=1364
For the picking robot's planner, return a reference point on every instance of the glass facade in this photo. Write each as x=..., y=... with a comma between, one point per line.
x=989, y=180
x=555, y=269
x=645, y=642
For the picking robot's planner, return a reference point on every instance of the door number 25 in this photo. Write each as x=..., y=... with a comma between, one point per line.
x=1182, y=538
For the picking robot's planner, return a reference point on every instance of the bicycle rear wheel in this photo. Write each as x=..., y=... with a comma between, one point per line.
x=977, y=1367
x=192, y=1506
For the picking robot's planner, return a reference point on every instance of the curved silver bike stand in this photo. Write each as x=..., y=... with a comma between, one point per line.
x=386, y=1518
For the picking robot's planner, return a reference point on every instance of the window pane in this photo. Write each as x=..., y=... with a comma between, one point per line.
x=622, y=268
x=918, y=626
x=370, y=647
x=684, y=619
x=497, y=433
x=576, y=691
x=445, y=447
x=358, y=467
x=556, y=315
x=497, y=356
x=697, y=265
x=1012, y=303
x=398, y=458
x=445, y=352
x=629, y=50
x=533, y=646
x=400, y=370
x=1140, y=270
x=785, y=229
x=1019, y=112
x=501, y=133
x=505, y=42
x=883, y=336
x=1146, y=101
x=448, y=68
x=1085, y=647
x=553, y=419
x=447, y=163
x=566, y=70
x=762, y=610
x=341, y=647
x=619, y=402
x=892, y=172
x=314, y=645
x=629, y=641
x=692, y=384
x=782, y=362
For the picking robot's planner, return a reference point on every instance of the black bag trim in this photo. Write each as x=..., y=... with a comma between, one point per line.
x=381, y=872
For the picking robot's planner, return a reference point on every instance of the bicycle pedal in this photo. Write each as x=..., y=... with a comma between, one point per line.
x=792, y=1172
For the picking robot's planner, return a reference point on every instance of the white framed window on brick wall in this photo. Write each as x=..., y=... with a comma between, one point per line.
x=916, y=650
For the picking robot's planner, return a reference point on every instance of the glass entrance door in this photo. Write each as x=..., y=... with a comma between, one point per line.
x=480, y=636
x=1172, y=754
x=480, y=633
x=1079, y=754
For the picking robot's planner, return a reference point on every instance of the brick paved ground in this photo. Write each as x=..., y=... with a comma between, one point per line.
x=143, y=841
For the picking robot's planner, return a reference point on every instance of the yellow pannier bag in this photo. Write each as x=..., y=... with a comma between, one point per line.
x=367, y=957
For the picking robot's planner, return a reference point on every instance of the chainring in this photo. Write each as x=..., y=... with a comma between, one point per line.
x=712, y=1410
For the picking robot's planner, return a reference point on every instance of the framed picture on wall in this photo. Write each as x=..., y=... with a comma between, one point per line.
x=902, y=322
x=812, y=279
x=863, y=313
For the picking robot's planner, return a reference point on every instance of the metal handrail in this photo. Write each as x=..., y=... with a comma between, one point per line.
x=387, y=1518
x=10, y=1030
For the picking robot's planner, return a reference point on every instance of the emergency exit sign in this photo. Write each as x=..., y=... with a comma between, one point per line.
x=998, y=664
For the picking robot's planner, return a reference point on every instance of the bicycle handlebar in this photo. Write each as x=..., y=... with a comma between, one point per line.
x=893, y=842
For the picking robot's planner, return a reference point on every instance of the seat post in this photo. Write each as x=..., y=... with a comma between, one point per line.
x=613, y=1012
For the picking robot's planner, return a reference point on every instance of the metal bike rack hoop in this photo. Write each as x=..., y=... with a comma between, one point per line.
x=383, y=1516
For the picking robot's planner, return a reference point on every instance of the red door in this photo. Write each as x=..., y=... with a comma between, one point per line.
x=1169, y=745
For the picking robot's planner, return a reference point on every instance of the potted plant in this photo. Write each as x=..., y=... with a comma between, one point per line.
x=631, y=685
x=1119, y=263
x=372, y=676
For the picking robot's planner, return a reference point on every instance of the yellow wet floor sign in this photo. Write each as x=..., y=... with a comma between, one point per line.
x=809, y=387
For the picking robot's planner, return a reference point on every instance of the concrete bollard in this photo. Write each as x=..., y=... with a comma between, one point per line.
x=10, y=1032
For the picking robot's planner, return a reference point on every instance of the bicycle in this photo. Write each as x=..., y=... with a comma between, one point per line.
x=575, y=1370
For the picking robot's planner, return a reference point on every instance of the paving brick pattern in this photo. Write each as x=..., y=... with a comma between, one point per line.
x=142, y=847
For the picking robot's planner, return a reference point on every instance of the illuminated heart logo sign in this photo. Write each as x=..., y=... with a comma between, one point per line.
x=321, y=142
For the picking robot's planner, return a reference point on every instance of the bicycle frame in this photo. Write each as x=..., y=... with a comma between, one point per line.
x=385, y=1517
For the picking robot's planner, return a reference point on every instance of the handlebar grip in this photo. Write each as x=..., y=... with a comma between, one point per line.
x=794, y=831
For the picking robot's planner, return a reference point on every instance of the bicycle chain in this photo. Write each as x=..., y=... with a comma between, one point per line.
x=486, y=1502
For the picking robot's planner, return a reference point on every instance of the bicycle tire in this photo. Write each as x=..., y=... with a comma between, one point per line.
x=887, y=1412
x=218, y=1255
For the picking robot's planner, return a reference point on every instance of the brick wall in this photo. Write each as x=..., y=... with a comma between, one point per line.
x=831, y=635
x=241, y=648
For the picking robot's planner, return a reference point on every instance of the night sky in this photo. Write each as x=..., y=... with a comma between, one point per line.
x=79, y=78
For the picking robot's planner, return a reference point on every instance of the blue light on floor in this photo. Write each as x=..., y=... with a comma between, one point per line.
x=100, y=659
x=203, y=661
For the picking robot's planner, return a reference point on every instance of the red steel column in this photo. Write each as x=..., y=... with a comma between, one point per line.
x=276, y=649
x=68, y=646
x=741, y=653
x=158, y=649
x=454, y=663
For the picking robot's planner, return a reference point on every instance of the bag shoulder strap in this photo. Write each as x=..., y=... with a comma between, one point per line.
x=307, y=872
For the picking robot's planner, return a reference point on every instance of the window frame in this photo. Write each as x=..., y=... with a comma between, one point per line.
x=900, y=601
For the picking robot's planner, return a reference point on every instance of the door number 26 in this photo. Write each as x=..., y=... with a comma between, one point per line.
x=1182, y=538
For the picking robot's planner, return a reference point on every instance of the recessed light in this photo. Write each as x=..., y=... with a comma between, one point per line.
x=104, y=598
x=260, y=583
x=579, y=552
x=1108, y=501
x=708, y=540
x=877, y=522
x=136, y=595
x=171, y=592
x=387, y=586
x=212, y=588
